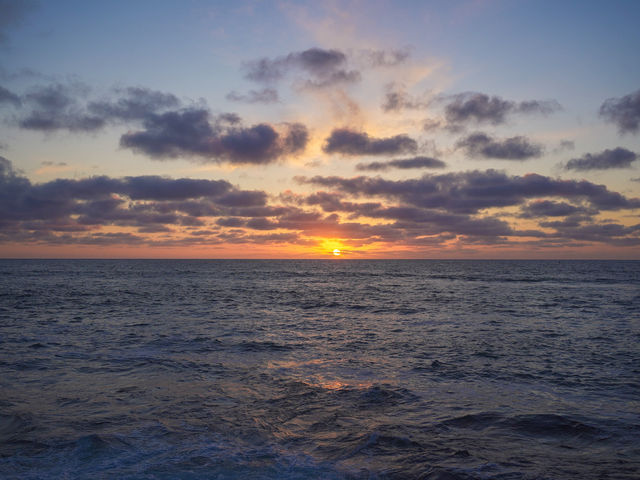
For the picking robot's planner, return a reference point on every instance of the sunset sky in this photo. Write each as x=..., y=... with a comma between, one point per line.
x=275, y=129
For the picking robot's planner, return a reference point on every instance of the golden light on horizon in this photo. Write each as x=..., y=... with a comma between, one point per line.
x=336, y=252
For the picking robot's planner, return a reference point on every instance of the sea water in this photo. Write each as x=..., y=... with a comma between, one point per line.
x=337, y=369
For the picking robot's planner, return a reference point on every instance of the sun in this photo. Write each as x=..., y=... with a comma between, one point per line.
x=331, y=246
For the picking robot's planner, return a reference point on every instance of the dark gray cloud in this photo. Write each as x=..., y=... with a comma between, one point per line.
x=481, y=108
x=605, y=232
x=133, y=103
x=430, y=124
x=190, y=132
x=9, y=98
x=243, y=198
x=59, y=106
x=624, y=112
x=543, y=107
x=478, y=107
x=549, y=208
x=152, y=187
x=606, y=160
x=317, y=60
x=425, y=211
x=351, y=142
x=416, y=221
x=148, y=202
x=323, y=67
x=234, y=222
x=384, y=58
x=515, y=148
x=266, y=95
x=402, y=163
x=471, y=192
x=444, y=205
x=333, y=78
x=172, y=134
x=564, y=145
x=397, y=99
x=56, y=107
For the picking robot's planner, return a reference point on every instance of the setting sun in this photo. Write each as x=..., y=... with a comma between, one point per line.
x=336, y=252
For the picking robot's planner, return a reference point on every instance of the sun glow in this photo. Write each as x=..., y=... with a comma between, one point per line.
x=336, y=252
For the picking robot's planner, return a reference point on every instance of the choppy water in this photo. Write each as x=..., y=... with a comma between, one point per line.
x=319, y=369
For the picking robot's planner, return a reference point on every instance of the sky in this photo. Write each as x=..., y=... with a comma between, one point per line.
x=291, y=129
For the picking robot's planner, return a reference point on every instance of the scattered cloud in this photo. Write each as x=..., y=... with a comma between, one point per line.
x=605, y=160
x=323, y=67
x=383, y=58
x=63, y=107
x=428, y=211
x=466, y=108
x=56, y=107
x=266, y=95
x=549, y=208
x=351, y=142
x=397, y=99
x=127, y=201
x=514, y=148
x=404, y=163
x=133, y=103
x=169, y=130
x=564, y=145
x=8, y=97
x=624, y=112
x=190, y=133
x=473, y=191
x=481, y=108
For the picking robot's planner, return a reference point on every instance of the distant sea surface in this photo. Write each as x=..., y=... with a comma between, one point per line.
x=337, y=369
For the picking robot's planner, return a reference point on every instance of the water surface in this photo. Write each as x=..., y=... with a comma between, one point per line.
x=319, y=369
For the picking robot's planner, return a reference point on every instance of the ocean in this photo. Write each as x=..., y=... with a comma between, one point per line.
x=336, y=369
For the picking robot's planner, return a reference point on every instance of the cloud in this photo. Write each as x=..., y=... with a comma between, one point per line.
x=405, y=163
x=473, y=191
x=63, y=107
x=8, y=97
x=514, y=148
x=606, y=160
x=68, y=205
x=384, y=58
x=266, y=95
x=623, y=111
x=397, y=99
x=134, y=103
x=189, y=132
x=430, y=124
x=549, y=208
x=481, y=108
x=324, y=68
x=564, y=145
x=234, y=222
x=56, y=107
x=351, y=142
x=320, y=68
x=605, y=232
x=430, y=210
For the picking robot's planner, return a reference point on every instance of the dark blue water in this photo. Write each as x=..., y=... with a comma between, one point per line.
x=320, y=369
